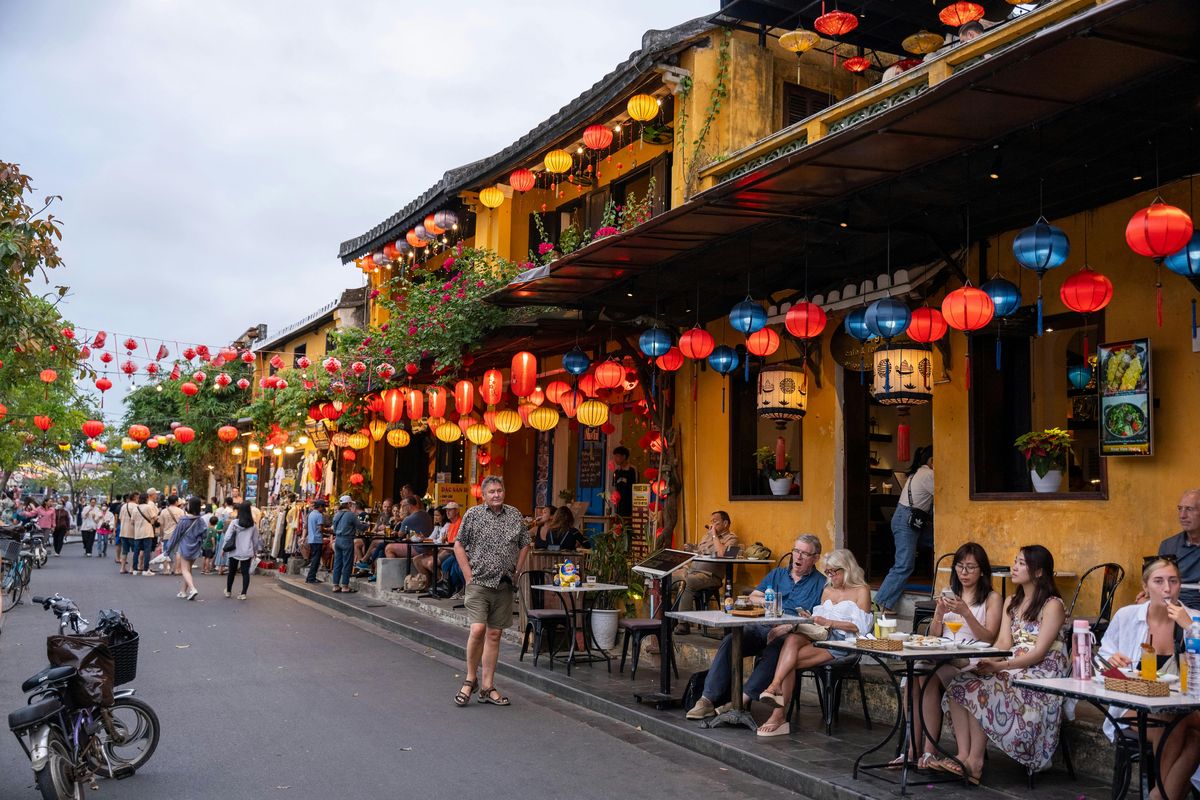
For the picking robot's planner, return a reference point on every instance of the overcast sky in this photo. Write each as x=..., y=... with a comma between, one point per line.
x=213, y=154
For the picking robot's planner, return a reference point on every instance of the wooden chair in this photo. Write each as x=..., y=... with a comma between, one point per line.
x=535, y=618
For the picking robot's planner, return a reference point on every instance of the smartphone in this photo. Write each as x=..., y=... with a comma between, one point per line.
x=803, y=612
x=949, y=594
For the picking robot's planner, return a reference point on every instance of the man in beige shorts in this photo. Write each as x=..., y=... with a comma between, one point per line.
x=491, y=548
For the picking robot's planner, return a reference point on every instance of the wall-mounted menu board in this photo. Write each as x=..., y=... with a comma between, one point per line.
x=1126, y=409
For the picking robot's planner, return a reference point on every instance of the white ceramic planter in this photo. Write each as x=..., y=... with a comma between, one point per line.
x=1050, y=483
x=780, y=486
x=604, y=627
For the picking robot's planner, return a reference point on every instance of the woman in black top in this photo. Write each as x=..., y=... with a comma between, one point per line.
x=561, y=533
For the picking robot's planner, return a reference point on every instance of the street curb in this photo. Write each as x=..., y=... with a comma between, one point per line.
x=545, y=681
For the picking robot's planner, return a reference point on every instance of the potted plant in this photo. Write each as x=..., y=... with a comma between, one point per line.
x=780, y=480
x=609, y=562
x=1047, y=453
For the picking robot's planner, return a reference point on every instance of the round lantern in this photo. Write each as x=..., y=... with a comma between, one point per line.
x=576, y=362
x=543, y=418
x=747, y=317
x=431, y=225
x=903, y=375
x=556, y=389
x=479, y=434
x=92, y=428
x=799, y=41
x=340, y=439
x=448, y=432
x=414, y=401
x=129, y=445
x=922, y=42
x=416, y=241
x=189, y=389
x=377, y=428
x=398, y=437
x=592, y=413
x=227, y=433
x=857, y=64
x=856, y=325
x=597, y=137
x=1080, y=375
x=358, y=440
x=670, y=360
x=927, y=325
x=184, y=434
x=243, y=384
x=435, y=398
x=522, y=180
x=48, y=375
x=103, y=384
x=782, y=394
x=356, y=479
x=836, y=23
x=968, y=309
x=492, y=197
x=446, y=220
x=222, y=380
x=724, y=359
x=491, y=387
x=1041, y=247
x=1086, y=292
x=805, y=320
x=464, y=397
x=642, y=107
x=958, y=14
x=508, y=421
x=1158, y=230
x=887, y=318
x=654, y=342
x=1186, y=260
x=139, y=433
x=558, y=161
x=610, y=374
x=696, y=343
x=1006, y=297
x=523, y=375
x=763, y=342
x=587, y=385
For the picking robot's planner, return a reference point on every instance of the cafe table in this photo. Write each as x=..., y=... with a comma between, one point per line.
x=575, y=602
x=903, y=662
x=1143, y=707
x=737, y=715
x=1004, y=573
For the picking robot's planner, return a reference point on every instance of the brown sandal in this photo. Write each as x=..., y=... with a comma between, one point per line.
x=462, y=698
x=490, y=695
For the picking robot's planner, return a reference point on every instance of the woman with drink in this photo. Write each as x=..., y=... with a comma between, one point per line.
x=1159, y=623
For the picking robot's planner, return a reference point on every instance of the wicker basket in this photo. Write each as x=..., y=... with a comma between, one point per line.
x=888, y=645
x=1139, y=687
x=757, y=611
x=125, y=657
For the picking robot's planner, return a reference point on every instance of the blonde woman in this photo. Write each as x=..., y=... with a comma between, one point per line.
x=845, y=610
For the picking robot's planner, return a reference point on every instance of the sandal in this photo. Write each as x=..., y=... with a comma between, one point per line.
x=926, y=761
x=772, y=700
x=896, y=763
x=462, y=698
x=490, y=695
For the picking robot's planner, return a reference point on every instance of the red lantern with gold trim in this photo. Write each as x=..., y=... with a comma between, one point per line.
x=524, y=374
x=763, y=342
x=697, y=344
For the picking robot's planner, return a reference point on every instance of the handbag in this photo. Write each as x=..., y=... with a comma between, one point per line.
x=416, y=583
x=230, y=541
x=814, y=632
x=919, y=520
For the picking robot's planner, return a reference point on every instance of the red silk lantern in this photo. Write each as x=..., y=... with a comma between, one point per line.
x=464, y=397
x=222, y=380
x=491, y=388
x=393, y=405
x=92, y=428
x=856, y=64
x=42, y=422
x=190, y=352
x=836, y=23
x=524, y=374
x=227, y=433
x=189, y=389
x=556, y=389
x=435, y=399
x=374, y=404
x=358, y=368
x=314, y=413
x=139, y=433
x=131, y=344
x=199, y=376
x=68, y=333
x=247, y=357
x=416, y=404
x=958, y=14
x=106, y=358
x=570, y=400
x=103, y=384
x=537, y=396
x=3, y=410
x=669, y=361
x=697, y=344
x=968, y=309
x=228, y=353
x=597, y=137
x=184, y=434
x=656, y=442
x=659, y=487
x=349, y=455
x=610, y=374
x=1158, y=230
x=152, y=368
x=1086, y=292
x=927, y=325
x=276, y=361
x=243, y=384
x=805, y=320
x=356, y=479
x=48, y=375
x=98, y=342
x=522, y=180
x=763, y=342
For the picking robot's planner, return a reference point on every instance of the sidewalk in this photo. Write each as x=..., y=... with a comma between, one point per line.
x=807, y=762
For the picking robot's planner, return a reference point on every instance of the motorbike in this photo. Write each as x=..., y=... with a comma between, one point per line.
x=70, y=735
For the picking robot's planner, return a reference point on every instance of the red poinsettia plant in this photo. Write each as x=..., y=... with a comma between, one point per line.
x=1045, y=450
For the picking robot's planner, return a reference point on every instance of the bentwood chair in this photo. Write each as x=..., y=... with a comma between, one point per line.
x=538, y=620
x=830, y=679
x=923, y=610
x=1112, y=576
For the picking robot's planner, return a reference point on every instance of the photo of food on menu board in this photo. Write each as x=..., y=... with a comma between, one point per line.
x=1125, y=404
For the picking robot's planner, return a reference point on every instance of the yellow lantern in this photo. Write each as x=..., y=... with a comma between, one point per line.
x=129, y=445
x=398, y=437
x=922, y=42
x=543, y=418
x=377, y=427
x=592, y=413
x=161, y=439
x=507, y=421
x=642, y=107
x=799, y=41
x=782, y=394
x=339, y=439
x=448, y=432
x=358, y=440
x=558, y=161
x=492, y=197
x=479, y=433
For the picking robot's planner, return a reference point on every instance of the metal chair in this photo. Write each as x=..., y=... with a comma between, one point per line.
x=537, y=619
x=830, y=679
x=1113, y=575
x=923, y=610
x=635, y=630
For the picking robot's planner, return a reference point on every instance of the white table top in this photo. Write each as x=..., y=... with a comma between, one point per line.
x=937, y=653
x=720, y=560
x=719, y=619
x=580, y=588
x=1071, y=687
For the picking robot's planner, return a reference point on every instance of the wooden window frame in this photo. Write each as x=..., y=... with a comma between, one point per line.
x=732, y=411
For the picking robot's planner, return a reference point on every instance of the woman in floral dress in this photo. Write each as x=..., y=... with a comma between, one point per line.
x=984, y=704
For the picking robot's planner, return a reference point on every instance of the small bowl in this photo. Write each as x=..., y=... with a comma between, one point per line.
x=898, y=637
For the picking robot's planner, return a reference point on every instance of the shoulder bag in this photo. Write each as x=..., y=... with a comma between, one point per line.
x=919, y=520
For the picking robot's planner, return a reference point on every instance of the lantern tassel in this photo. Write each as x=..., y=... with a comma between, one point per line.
x=746, y=369
x=722, y=395
x=1039, y=308
x=1193, y=336
x=902, y=448
x=967, y=375
x=1158, y=294
x=997, y=353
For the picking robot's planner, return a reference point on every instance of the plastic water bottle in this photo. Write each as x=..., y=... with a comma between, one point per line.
x=1081, y=651
x=1191, y=644
x=769, y=601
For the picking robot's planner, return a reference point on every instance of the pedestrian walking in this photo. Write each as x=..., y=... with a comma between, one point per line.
x=225, y=516
x=316, y=527
x=346, y=525
x=246, y=542
x=912, y=525
x=144, y=515
x=168, y=517
x=208, y=546
x=492, y=545
x=89, y=519
x=104, y=529
x=184, y=546
x=62, y=524
x=44, y=514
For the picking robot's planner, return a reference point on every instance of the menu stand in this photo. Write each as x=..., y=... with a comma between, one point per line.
x=659, y=568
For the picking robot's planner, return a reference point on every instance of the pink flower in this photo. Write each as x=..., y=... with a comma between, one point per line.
x=448, y=263
x=412, y=330
x=447, y=285
x=607, y=230
x=479, y=284
x=384, y=327
x=461, y=294
x=446, y=298
x=374, y=293
x=545, y=247
x=387, y=351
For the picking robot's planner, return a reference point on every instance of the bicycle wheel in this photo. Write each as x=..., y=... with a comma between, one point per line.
x=137, y=724
x=56, y=780
x=11, y=586
x=26, y=570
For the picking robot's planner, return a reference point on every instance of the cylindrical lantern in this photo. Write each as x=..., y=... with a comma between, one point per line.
x=903, y=375
x=927, y=325
x=464, y=397
x=592, y=413
x=448, y=432
x=524, y=374
x=967, y=309
x=697, y=344
x=543, y=418
x=522, y=180
x=393, y=405
x=491, y=387
x=416, y=404
x=558, y=161
x=492, y=197
x=398, y=437
x=805, y=320
x=508, y=421
x=642, y=107
x=782, y=394
x=435, y=399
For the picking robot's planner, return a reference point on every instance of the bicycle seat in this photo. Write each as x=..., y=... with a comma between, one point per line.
x=48, y=675
x=31, y=715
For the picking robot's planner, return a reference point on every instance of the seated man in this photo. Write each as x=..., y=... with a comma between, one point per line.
x=416, y=526
x=798, y=587
x=717, y=542
x=1184, y=547
x=378, y=530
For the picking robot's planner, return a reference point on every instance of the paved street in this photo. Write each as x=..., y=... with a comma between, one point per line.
x=273, y=697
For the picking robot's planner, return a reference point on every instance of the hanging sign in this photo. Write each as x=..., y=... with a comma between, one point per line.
x=458, y=492
x=1126, y=406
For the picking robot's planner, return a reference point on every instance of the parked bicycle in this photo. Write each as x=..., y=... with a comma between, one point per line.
x=16, y=566
x=75, y=725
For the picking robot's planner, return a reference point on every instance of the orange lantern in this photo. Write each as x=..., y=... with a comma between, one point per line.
x=763, y=342
x=393, y=405
x=659, y=487
x=836, y=23
x=524, y=374
x=139, y=433
x=958, y=14
x=464, y=397
x=570, y=401
x=556, y=389
x=416, y=404
x=356, y=479
x=968, y=309
x=189, y=389
x=227, y=433
x=537, y=396
x=432, y=226
x=184, y=434
x=522, y=180
x=42, y=422
x=657, y=442
x=152, y=444
x=1157, y=230
x=587, y=385
x=610, y=374
x=697, y=344
x=491, y=388
x=670, y=360
x=92, y=428
x=49, y=375
x=435, y=398
x=857, y=64
x=597, y=137
x=416, y=241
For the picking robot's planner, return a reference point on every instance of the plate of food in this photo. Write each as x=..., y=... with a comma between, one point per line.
x=1125, y=420
x=1124, y=370
x=927, y=643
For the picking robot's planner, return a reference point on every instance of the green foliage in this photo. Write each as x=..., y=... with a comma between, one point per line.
x=1045, y=450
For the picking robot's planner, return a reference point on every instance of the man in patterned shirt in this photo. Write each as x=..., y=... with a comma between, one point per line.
x=491, y=548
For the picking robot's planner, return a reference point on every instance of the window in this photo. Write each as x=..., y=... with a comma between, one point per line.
x=749, y=433
x=300, y=351
x=330, y=341
x=800, y=102
x=1031, y=391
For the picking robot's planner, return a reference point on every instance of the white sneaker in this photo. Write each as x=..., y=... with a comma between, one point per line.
x=148, y=572
x=241, y=597
x=135, y=572
x=181, y=595
x=228, y=593
x=192, y=595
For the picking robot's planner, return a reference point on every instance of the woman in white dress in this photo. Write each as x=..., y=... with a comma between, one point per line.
x=845, y=610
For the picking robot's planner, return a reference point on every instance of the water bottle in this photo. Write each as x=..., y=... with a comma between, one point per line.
x=1081, y=651
x=1191, y=645
x=769, y=601
x=728, y=599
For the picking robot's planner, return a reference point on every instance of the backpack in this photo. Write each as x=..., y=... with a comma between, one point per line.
x=416, y=583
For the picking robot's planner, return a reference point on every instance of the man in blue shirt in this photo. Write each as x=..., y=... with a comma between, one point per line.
x=800, y=586
x=346, y=525
x=316, y=527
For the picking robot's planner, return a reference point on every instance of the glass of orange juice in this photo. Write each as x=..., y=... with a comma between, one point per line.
x=1149, y=663
x=953, y=623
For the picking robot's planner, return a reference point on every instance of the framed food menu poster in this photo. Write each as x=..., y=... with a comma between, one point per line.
x=1126, y=424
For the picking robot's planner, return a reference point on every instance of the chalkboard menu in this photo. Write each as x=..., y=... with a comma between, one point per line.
x=591, y=465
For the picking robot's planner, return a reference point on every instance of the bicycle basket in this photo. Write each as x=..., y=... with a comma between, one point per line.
x=125, y=657
x=9, y=550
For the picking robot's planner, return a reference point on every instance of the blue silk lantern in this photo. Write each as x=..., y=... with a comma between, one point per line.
x=1041, y=247
x=576, y=362
x=1186, y=262
x=724, y=359
x=1079, y=375
x=748, y=317
x=654, y=342
x=1006, y=298
x=856, y=324
x=887, y=318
